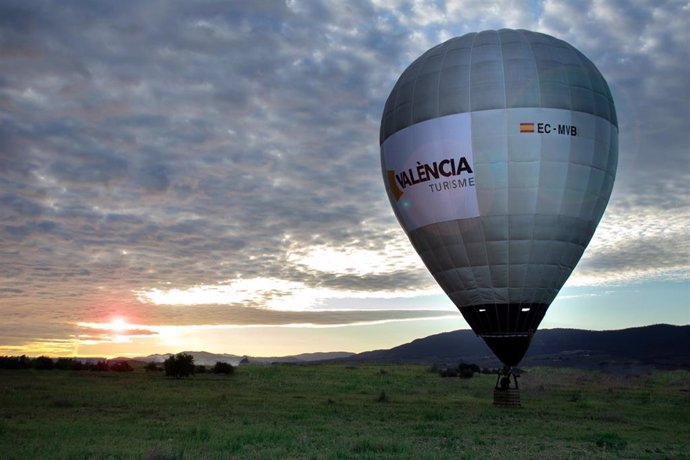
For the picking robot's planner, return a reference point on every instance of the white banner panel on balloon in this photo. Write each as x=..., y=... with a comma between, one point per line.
x=429, y=173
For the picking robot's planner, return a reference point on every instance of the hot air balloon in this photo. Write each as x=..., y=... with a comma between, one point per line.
x=499, y=153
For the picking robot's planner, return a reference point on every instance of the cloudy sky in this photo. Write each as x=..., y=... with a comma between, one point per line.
x=205, y=175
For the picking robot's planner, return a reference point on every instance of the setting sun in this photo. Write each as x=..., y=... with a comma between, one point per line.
x=118, y=325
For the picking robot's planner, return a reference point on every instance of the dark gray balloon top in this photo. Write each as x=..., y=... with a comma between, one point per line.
x=496, y=70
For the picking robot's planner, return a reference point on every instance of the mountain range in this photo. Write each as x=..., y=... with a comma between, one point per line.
x=627, y=350
x=205, y=358
x=659, y=345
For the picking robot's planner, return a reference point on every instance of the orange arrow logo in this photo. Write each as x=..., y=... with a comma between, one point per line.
x=397, y=193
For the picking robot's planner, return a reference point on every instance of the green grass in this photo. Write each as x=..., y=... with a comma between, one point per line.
x=341, y=412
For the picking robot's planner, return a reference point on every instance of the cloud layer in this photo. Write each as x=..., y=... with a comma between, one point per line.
x=161, y=146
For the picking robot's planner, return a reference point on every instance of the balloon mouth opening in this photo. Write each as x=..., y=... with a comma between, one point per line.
x=506, y=328
x=509, y=349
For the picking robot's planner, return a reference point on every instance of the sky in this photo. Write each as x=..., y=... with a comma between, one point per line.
x=202, y=175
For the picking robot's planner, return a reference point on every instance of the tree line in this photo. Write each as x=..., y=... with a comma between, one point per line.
x=177, y=366
x=66, y=364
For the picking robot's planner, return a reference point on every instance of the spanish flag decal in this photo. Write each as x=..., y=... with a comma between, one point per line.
x=526, y=127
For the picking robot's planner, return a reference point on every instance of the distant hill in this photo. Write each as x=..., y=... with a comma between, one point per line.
x=205, y=358
x=626, y=350
x=660, y=345
x=308, y=357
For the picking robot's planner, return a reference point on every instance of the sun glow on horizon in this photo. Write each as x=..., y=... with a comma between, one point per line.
x=240, y=339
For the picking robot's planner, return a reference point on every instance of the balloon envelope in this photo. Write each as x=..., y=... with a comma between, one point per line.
x=499, y=153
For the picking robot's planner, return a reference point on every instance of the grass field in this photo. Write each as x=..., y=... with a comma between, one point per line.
x=338, y=411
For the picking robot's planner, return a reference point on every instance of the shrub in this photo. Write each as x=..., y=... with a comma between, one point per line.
x=121, y=366
x=467, y=371
x=44, y=363
x=450, y=372
x=200, y=369
x=223, y=368
x=68, y=364
x=100, y=366
x=152, y=367
x=179, y=365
